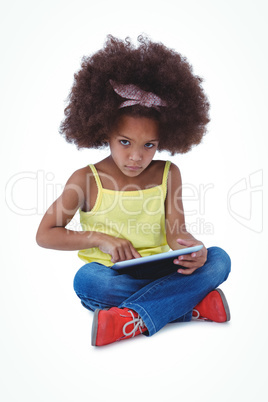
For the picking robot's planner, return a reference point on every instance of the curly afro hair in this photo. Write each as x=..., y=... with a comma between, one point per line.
x=93, y=105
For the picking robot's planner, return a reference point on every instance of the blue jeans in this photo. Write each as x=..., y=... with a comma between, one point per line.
x=159, y=294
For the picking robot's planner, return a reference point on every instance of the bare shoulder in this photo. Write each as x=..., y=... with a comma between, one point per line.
x=80, y=177
x=157, y=167
x=174, y=176
x=174, y=168
x=77, y=188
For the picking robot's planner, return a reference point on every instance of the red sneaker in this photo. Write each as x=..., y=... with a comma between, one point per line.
x=115, y=324
x=213, y=307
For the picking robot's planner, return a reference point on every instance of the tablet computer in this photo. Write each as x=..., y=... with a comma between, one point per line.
x=169, y=255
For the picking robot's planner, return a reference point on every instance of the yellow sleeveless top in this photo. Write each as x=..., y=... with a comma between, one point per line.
x=138, y=216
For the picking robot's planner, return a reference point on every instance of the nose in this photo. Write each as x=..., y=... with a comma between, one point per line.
x=135, y=156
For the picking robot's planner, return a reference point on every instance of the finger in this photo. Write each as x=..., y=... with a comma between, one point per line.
x=184, y=242
x=197, y=254
x=123, y=254
x=115, y=256
x=135, y=252
x=188, y=263
x=181, y=261
x=128, y=253
x=186, y=258
x=186, y=271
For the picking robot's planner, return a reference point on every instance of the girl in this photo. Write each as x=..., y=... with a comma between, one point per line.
x=136, y=100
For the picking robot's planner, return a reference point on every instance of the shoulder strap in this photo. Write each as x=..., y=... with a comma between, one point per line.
x=96, y=176
x=166, y=171
x=165, y=176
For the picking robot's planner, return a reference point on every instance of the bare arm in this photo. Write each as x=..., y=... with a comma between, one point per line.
x=177, y=235
x=52, y=232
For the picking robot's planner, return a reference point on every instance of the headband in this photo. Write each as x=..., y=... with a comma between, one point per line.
x=136, y=96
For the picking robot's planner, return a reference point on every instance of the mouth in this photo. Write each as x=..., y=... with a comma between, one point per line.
x=134, y=168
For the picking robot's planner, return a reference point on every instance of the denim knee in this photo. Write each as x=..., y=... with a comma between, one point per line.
x=222, y=259
x=84, y=279
x=94, y=281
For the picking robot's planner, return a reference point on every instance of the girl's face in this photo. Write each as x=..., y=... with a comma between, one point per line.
x=133, y=144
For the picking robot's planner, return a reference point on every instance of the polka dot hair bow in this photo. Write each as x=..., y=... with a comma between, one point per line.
x=136, y=96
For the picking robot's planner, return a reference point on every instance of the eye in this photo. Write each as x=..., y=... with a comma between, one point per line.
x=124, y=142
x=149, y=145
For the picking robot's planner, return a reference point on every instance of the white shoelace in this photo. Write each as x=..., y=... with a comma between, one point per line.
x=198, y=316
x=137, y=323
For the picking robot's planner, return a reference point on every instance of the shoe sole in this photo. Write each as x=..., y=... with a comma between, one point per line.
x=95, y=327
x=225, y=304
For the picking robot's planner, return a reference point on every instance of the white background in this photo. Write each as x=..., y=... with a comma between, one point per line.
x=46, y=353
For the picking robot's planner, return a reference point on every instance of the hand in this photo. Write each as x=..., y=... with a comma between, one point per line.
x=192, y=261
x=119, y=249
